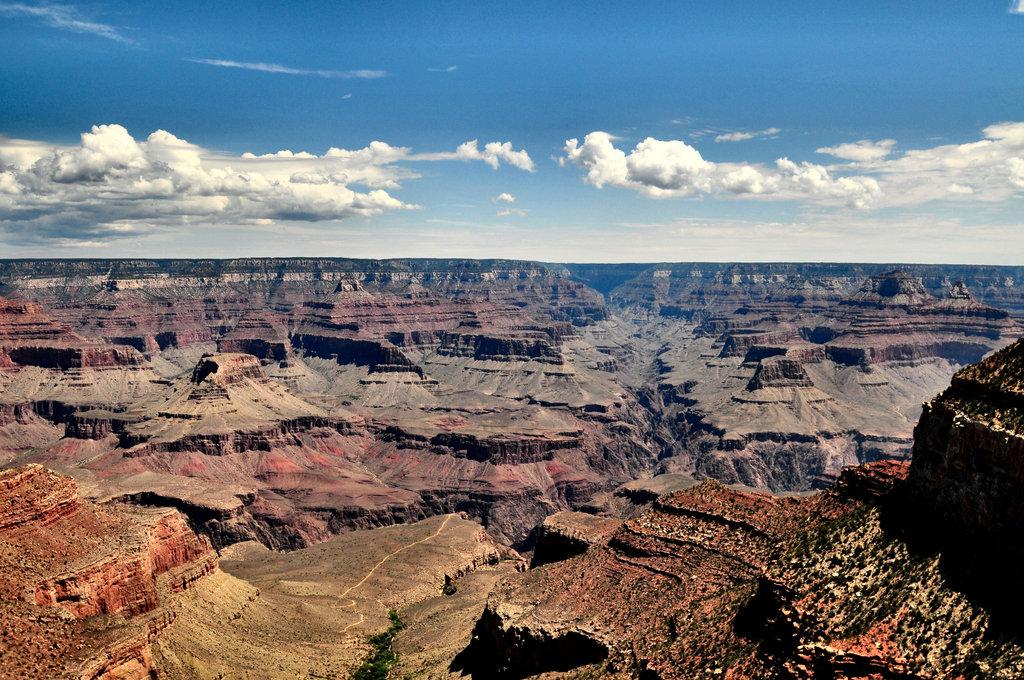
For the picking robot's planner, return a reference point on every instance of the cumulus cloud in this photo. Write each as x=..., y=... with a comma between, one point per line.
x=864, y=150
x=64, y=17
x=673, y=169
x=288, y=70
x=990, y=169
x=1017, y=7
x=504, y=197
x=111, y=184
x=742, y=136
x=493, y=153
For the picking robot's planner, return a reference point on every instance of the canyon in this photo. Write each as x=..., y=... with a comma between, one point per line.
x=661, y=471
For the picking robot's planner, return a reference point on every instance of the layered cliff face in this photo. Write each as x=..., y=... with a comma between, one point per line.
x=388, y=391
x=246, y=457
x=718, y=583
x=783, y=390
x=87, y=588
x=687, y=287
x=31, y=338
x=968, y=475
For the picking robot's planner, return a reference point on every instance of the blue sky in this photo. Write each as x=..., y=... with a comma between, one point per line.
x=689, y=107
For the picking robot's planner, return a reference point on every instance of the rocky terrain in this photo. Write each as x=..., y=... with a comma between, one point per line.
x=287, y=400
x=782, y=383
x=898, y=571
x=87, y=589
x=325, y=424
x=288, y=406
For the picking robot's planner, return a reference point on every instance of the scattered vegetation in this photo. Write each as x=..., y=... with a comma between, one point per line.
x=382, y=658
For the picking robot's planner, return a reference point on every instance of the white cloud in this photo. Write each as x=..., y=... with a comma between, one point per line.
x=512, y=212
x=990, y=167
x=673, y=169
x=1017, y=7
x=1016, y=166
x=493, y=153
x=64, y=17
x=988, y=170
x=288, y=70
x=741, y=136
x=447, y=69
x=111, y=184
x=864, y=150
x=671, y=166
x=810, y=180
x=746, y=179
x=504, y=197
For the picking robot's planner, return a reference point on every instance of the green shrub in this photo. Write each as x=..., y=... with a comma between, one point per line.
x=381, y=659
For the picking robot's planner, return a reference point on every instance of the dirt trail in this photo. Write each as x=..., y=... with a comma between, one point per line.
x=352, y=602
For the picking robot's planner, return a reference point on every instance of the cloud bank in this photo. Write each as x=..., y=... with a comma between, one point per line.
x=864, y=150
x=990, y=169
x=112, y=185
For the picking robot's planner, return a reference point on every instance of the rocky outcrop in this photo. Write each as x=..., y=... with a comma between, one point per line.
x=567, y=534
x=779, y=372
x=635, y=601
x=227, y=369
x=260, y=333
x=717, y=582
x=108, y=570
x=893, y=288
x=504, y=648
x=29, y=337
x=351, y=350
x=967, y=474
x=125, y=582
x=130, y=658
x=488, y=348
x=33, y=496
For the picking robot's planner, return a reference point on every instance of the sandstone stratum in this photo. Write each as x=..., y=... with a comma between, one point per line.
x=237, y=468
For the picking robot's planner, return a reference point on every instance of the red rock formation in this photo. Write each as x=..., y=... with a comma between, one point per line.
x=653, y=598
x=364, y=329
x=567, y=533
x=896, y=573
x=28, y=337
x=720, y=583
x=126, y=583
x=90, y=561
x=33, y=496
